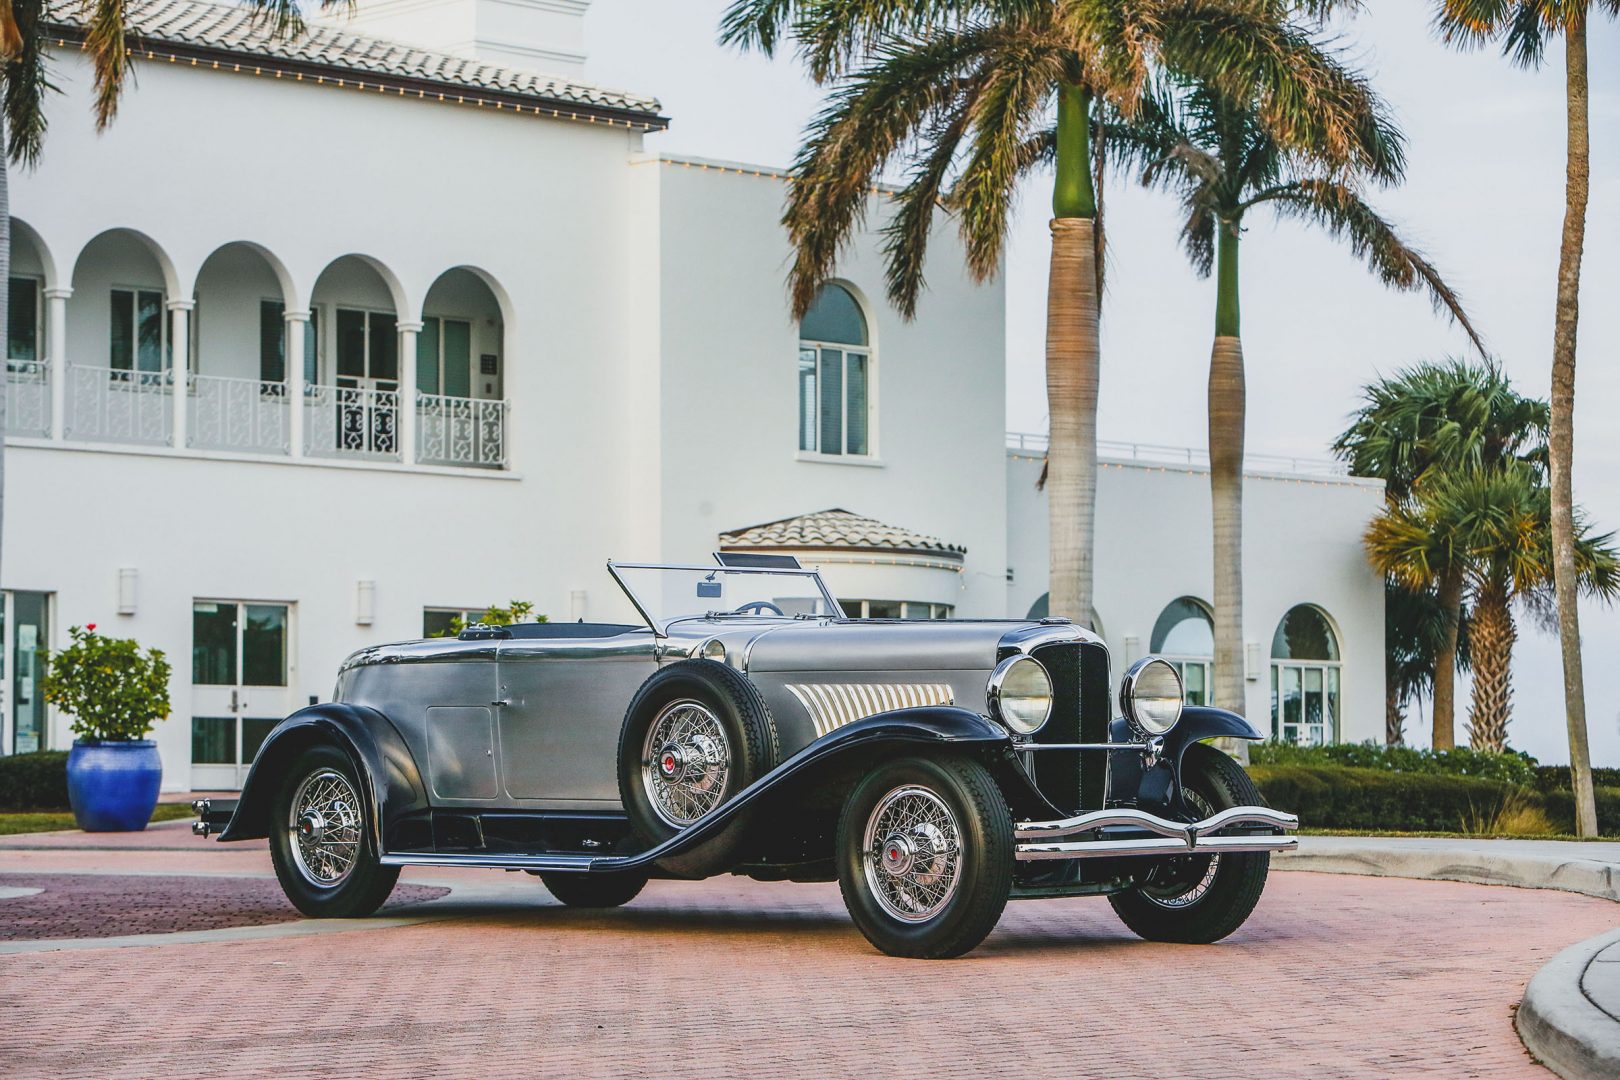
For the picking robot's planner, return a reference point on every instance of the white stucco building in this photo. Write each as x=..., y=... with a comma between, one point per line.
x=451, y=336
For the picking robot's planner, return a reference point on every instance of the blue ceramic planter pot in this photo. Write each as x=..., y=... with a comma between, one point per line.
x=113, y=786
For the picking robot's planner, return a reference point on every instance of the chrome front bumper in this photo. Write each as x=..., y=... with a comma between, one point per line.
x=1051, y=839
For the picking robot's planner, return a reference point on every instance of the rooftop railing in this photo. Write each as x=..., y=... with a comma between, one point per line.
x=1034, y=444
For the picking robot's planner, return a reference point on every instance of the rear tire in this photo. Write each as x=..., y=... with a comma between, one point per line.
x=1199, y=899
x=321, y=842
x=925, y=856
x=594, y=890
x=696, y=733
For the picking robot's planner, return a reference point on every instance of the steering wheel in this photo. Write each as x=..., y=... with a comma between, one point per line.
x=760, y=606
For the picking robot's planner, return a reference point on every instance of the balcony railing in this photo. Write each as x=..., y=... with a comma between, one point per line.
x=1033, y=444
x=351, y=422
x=28, y=398
x=118, y=405
x=244, y=415
x=460, y=431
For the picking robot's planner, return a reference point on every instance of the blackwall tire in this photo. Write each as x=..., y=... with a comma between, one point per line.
x=696, y=733
x=594, y=890
x=1199, y=900
x=320, y=839
x=904, y=892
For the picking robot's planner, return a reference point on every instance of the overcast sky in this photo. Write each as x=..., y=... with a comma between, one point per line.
x=1483, y=197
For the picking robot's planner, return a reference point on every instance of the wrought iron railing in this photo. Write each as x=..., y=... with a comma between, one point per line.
x=245, y=415
x=1148, y=453
x=354, y=422
x=460, y=431
x=28, y=398
x=118, y=405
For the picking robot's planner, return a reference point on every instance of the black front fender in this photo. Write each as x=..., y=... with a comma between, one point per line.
x=390, y=780
x=1160, y=786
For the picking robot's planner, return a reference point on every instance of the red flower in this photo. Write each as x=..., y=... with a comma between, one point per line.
x=91, y=627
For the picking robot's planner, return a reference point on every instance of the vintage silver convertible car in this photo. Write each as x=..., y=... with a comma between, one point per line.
x=934, y=769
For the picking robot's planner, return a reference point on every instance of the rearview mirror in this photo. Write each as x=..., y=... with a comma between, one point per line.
x=709, y=590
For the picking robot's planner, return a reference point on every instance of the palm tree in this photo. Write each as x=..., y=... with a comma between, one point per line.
x=961, y=95
x=1214, y=150
x=1495, y=522
x=1525, y=28
x=1431, y=421
x=1414, y=634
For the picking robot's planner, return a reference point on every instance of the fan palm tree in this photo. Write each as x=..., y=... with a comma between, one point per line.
x=1525, y=28
x=1496, y=524
x=23, y=66
x=1425, y=423
x=961, y=95
x=1414, y=634
x=1212, y=148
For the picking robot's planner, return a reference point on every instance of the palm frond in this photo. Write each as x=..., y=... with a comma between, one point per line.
x=905, y=237
x=26, y=84
x=1340, y=210
x=109, y=56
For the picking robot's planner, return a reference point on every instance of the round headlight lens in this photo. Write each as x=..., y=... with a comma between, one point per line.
x=1021, y=694
x=713, y=649
x=1150, y=695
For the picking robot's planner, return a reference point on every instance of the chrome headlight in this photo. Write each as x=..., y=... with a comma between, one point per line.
x=1150, y=695
x=1020, y=694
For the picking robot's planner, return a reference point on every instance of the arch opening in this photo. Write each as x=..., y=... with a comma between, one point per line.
x=837, y=376
x=1305, y=678
x=353, y=370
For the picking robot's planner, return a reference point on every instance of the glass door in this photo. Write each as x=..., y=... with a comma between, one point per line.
x=367, y=381
x=239, y=686
x=25, y=619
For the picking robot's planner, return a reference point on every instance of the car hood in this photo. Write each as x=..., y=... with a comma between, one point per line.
x=879, y=646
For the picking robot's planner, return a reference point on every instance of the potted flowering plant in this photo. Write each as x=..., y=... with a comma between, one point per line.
x=115, y=693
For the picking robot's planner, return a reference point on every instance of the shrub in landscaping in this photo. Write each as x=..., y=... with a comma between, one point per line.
x=1511, y=767
x=36, y=781
x=1341, y=797
x=1561, y=808
x=1556, y=778
x=112, y=689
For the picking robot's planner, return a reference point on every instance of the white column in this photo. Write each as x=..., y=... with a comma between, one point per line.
x=180, y=382
x=56, y=355
x=407, y=390
x=296, y=321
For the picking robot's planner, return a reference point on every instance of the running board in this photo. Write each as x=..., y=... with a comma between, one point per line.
x=1046, y=839
x=513, y=862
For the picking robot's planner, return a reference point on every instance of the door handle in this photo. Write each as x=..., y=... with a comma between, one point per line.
x=498, y=704
x=235, y=705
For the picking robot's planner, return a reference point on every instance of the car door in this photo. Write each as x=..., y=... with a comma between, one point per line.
x=562, y=704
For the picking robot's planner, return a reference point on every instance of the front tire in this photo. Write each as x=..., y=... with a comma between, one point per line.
x=1199, y=899
x=594, y=890
x=320, y=839
x=925, y=856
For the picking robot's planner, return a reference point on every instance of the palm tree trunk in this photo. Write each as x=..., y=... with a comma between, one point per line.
x=1561, y=444
x=1445, y=663
x=1072, y=356
x=1226, y=424
x=1492, y=635
x=1394, y=708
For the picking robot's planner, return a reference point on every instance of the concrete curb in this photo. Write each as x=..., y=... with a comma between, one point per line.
x=1560, y=1023
x=1589, y=877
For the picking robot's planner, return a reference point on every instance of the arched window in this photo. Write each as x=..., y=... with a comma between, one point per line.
x=1305, y=678
x=835, y=376
x=1184, y=634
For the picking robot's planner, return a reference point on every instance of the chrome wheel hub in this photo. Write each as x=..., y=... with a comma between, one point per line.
x=325, y=828
x=686, y=761
x=913, y=854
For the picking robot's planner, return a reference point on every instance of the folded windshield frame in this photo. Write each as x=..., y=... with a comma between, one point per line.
x=660, y=621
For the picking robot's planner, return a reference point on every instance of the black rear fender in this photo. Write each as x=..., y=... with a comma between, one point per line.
x=391, y=782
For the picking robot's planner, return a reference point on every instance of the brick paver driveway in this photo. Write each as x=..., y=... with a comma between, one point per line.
x=1334, y=976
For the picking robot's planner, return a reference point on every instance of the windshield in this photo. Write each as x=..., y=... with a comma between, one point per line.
x=665, y=594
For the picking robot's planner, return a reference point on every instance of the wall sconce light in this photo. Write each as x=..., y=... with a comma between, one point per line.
x=365, y=602
x=1251, y=661
x=126, y=590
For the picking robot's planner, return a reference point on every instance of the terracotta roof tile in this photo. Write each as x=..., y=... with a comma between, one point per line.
x=241, y=29
x=837, y=529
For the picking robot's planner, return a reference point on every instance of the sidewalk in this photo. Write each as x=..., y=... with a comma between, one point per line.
x=1570, y=1016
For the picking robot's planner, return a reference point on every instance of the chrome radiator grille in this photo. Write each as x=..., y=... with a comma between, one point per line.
x=832, y=705
x=1073, y=780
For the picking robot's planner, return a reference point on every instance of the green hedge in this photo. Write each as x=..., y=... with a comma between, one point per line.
x=1509, y=768
x=1549, y=778
x=1329, y=797
x=35, y=781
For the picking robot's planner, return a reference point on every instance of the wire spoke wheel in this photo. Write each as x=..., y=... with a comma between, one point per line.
x=1182, y=882
x=912, y=854
x=324, y=821
x=685, y=762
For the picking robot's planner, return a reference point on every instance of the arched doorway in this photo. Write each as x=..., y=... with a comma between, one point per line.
x=460, y=373
x=352, y=408
x=238, y=356
x=28, y=374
